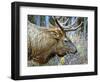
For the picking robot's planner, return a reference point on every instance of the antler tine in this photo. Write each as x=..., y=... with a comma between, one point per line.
x=68, y=29
x=69, y=26
x=57, y=23
x=65, y=22
x=64, y=29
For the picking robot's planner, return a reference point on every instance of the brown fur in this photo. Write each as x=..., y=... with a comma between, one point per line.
x=43, y=42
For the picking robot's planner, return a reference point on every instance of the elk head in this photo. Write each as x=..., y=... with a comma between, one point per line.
x=65, y=45
x=43, y=42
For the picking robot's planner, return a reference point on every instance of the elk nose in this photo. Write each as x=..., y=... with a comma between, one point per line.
x=75, y=51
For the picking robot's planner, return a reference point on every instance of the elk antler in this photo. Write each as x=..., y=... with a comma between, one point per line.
x=69, y=27
x=65, y=22
x=75, y=28
x=57, y=23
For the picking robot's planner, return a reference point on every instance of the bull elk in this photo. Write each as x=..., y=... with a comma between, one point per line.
x=43, y=42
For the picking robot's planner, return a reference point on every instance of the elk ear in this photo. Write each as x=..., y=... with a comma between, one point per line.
x=55, y=33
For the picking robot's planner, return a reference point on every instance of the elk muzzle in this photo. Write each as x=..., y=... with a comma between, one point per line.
x=70, y=47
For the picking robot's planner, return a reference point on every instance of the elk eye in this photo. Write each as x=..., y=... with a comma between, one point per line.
x=65, y=40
